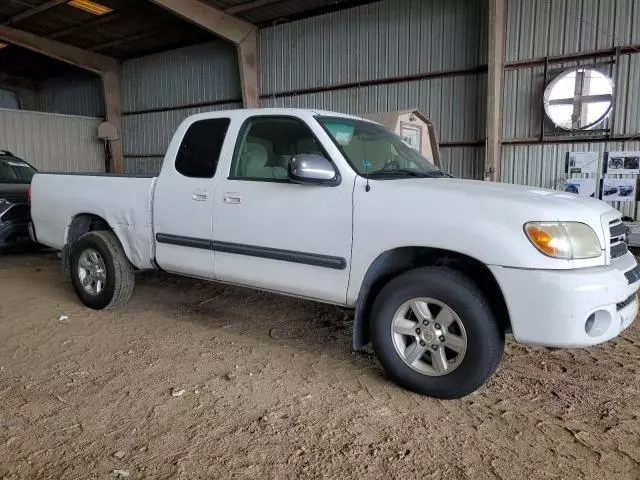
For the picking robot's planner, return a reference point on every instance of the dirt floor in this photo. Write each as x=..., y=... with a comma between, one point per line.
x=273, y=390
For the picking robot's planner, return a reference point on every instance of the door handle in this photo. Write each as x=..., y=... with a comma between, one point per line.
x=200, y=196
x=232, y=198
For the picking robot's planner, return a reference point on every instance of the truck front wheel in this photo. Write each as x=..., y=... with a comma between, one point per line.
x=101, y=274
x=435, y=334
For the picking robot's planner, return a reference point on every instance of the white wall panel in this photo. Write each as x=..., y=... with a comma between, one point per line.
x=59, y=143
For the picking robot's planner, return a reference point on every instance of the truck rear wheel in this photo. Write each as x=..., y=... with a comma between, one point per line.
x=102, y=275
x=435, y=334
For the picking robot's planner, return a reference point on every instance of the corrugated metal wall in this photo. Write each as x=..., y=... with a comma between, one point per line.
x=197, y=74
x=539, y=28
x=170, y=84
x=544, y=165
x=385, y=40
x=329, y=62
x=524, y=87
x=53, y=142
x=78, y=95
x=390, y=40
x=147, y=136
x=451, y=102
x=628, y=93
x=463, y=162
x=150, y=133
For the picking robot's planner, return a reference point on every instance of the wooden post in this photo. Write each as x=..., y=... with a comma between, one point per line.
x=248, y=62
x=113, y=114
x=495, y=81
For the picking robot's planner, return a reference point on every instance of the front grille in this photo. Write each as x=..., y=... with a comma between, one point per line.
x=618, y=250
x=617, y=228
x=633, y=275
x=624, y=303
x=618, y=239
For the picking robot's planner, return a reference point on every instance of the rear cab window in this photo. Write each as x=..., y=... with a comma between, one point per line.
x=200, y=149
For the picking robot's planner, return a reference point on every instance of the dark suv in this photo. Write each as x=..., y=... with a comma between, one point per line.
x=15, y=178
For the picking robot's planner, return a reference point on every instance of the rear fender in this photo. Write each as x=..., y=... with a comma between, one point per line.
x=87, y=222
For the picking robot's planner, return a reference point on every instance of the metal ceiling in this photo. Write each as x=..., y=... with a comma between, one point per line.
x=134, y=28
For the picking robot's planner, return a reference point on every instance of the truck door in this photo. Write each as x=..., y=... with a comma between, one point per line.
x=184, y=195
x=273, y=234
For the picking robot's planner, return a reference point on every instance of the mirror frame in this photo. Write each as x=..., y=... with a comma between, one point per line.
x=332, y=182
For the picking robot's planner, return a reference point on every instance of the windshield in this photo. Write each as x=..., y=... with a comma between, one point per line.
x=14, y=170
x=373, y=150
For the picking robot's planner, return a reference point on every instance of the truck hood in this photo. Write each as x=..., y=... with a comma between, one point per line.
x=480, y=219
x=537, y=203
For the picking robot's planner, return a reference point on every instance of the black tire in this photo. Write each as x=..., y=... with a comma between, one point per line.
x=120, y=277
x=485, y=337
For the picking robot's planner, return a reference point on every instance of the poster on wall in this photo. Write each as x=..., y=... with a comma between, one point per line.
x=580, y=186
x=582, y=162
x=619, y=189
x=623, y=163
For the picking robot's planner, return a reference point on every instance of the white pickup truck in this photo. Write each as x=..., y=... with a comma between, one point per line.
x=339, y=209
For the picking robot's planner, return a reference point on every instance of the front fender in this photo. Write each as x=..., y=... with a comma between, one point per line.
x=395, y=262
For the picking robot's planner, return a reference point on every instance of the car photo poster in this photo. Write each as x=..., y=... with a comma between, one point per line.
x=582, y=162
x=619, y=189
x=580, y=186
x=623, y=163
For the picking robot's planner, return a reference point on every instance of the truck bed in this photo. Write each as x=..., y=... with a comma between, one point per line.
x=124, y=201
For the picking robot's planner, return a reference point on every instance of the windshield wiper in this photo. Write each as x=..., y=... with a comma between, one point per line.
x=438, y=174
x=409, y=173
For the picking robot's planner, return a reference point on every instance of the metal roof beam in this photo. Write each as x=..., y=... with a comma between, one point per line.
x=60, y=51
x=243, y=34
x=247, y=6
x=210, y=18
x=43, y=7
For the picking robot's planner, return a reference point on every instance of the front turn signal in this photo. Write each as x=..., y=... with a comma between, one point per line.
x=550, y=238
x=564, y=240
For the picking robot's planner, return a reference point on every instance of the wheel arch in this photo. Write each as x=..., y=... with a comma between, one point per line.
x=396, y=261
x=79, y=225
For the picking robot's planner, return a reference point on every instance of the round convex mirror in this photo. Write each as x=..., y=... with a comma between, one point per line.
x=579, y=99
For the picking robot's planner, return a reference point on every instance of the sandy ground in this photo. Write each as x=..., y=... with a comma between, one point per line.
x=272, y=390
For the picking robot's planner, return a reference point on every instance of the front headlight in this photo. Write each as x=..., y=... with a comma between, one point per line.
x=566, y=240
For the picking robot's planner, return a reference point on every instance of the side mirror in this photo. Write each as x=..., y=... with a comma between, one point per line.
x=313, y=169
